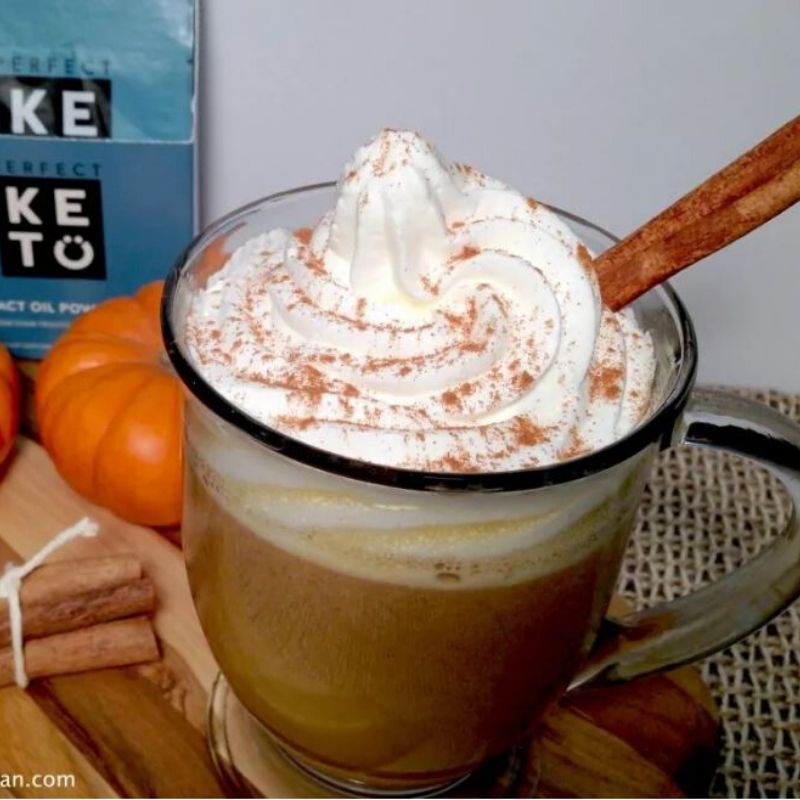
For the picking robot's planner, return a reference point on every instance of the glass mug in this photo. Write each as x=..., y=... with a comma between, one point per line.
x=393, y=629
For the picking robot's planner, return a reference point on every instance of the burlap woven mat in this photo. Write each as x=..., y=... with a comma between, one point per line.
x=703, y=514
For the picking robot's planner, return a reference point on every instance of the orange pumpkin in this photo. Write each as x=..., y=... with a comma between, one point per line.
x=110, y=410
x=9, y=403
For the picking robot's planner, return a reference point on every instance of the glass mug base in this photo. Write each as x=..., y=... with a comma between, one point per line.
x=251, y=763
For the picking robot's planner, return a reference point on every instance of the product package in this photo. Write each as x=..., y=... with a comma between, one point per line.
x=97, y=135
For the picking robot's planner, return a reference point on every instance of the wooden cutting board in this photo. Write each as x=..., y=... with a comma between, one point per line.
x=138, y=732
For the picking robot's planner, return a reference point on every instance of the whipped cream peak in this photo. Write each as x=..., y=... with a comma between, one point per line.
x=434, y=319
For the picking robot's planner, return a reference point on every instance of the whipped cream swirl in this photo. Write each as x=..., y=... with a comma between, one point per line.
x=435, y=319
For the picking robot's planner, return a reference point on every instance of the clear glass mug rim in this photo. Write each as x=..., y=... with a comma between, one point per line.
x=658, y=427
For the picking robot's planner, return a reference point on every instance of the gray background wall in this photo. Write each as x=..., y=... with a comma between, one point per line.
x=611, y=109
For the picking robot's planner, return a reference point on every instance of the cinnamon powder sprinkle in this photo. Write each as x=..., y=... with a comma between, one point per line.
x=311, y=261
x=467, y=389
x=379, y=166
x=450, y=398
x=523, y=381
x=605, y=382
x=456, y=462
x=532, y=204
x=466, y=169
x=308, y=378
x=528, y=434
x=467, y=251
x=473, y=347
x=299, y=423
x=348, y=390
x=575, y=447
x=472, y=313
x=428, y=285
x=584, y=258
x=372, y=364
x=452, y=319
x=303, y=235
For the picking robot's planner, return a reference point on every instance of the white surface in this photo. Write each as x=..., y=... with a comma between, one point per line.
x=611, y=109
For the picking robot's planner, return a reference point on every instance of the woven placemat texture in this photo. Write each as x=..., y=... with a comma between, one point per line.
x=703, y=514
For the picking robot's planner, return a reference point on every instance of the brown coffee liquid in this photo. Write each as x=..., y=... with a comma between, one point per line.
x=390, y=681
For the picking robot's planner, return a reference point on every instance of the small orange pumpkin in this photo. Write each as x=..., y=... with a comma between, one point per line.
x=9, y=403
x=110, y=410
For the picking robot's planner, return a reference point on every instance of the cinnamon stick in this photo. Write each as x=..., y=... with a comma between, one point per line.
x=60, y=579
x=109, y=644
x=745, y=194
x=80, y=610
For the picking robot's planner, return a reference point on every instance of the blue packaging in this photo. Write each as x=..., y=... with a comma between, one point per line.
x=97, y=135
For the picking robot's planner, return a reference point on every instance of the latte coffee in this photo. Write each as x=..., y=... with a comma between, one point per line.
x=434, y=324
x=391, y=643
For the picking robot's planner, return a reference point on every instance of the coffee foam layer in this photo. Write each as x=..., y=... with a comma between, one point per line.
x=447, y=540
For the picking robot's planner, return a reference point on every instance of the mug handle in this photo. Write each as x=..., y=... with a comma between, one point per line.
x=705, y=621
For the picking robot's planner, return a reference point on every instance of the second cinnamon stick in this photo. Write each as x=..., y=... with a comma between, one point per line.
x=70, y=577
x=110, y=644
x=81, y=610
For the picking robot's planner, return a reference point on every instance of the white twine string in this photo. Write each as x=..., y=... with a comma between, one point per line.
x=11, y=581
